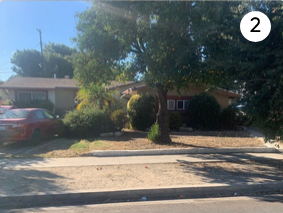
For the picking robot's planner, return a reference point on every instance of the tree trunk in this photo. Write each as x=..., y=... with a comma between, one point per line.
x=162, y=117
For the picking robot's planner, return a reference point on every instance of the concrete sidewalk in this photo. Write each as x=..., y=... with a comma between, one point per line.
x=255, y=133
x=95, y=161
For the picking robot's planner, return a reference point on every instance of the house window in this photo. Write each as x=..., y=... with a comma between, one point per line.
x=182, y=104
x=170, y=104
x=32, y=96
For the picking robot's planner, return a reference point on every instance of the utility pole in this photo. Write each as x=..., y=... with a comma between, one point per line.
x=42, y=65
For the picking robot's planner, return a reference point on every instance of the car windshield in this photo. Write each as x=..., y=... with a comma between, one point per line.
x=2, y=110
x=14, y=114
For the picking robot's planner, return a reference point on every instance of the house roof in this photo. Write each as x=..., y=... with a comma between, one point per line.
x=114, y=84
x=219, y=90
x=229, y=93
x=39, y=83
x=51, y=83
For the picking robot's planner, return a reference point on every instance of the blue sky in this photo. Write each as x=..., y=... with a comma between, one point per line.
x=20, y=19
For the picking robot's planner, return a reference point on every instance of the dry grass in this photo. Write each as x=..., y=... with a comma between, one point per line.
x=135, y=140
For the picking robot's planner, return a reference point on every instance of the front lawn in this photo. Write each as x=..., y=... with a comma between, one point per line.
x=136, y=140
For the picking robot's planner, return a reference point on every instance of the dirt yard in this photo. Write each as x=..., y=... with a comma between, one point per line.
x=131, y=140
x=135, y=140
x=61, y=179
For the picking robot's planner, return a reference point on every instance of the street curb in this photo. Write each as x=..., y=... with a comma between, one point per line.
x=114, y=153
x=49, y=198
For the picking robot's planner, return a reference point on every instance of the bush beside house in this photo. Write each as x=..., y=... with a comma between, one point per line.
x=91, y=121
x=44, y=104
x=204, y=112
x=229, y=118
x=175, y=120
x=141, y=111
x=119, y=119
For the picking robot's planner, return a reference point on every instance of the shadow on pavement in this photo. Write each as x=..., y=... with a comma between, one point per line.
x=16, y=182
x=272, y=198
x=237, y=171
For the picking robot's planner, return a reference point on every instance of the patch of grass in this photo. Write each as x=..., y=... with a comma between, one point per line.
x=83, y=145
x=96, y=144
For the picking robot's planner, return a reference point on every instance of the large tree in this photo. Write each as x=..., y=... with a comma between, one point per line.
x=171, y=44
x=57, y=59
x=256, y=67
x=155, y=37
x=27, y=63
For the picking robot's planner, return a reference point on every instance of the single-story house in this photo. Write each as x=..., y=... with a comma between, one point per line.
x=60, y=91
x=179, y=103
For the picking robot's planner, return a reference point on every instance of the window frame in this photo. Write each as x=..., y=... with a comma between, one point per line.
x=184, y=104
x=169, y=105
x=31, y=94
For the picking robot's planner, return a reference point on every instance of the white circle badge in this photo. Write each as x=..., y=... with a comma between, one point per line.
x=255, y=26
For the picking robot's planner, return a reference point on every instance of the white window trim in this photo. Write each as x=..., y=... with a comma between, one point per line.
x=31, y=92
x=168, y=104
x=184, y=108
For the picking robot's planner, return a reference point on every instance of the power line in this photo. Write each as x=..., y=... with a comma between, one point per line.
x=5, y=63
x=7, y=72
x=5, y=69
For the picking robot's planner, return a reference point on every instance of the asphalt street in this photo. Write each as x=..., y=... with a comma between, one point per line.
x=258, y=204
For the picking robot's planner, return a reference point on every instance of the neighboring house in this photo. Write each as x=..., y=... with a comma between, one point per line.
x=60, y=91
x=179, y=103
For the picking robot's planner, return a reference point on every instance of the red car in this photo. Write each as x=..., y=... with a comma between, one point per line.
x=4, y=108
x=28, y=124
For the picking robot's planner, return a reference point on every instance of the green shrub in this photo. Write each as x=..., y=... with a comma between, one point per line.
x=119, y=118
x=154, y=134
x=45, y=104
x=229, y=117
x=175, y=120
x=204, y=112
x=87, y=122
x=9, y=102
x=141, y=111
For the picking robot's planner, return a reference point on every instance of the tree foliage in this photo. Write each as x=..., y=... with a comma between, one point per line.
x=27, y=63
x=256, y=67
x=57, y=59
x=95, y=94
x=171, y=44
x=154, y=36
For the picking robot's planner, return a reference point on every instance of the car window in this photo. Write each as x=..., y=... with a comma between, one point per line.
x=14, y=114
x=2, y=110
x=39, y=115
x=48, y=114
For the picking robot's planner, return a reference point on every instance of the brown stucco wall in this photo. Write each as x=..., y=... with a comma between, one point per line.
x=64, y=98
x=222, y=99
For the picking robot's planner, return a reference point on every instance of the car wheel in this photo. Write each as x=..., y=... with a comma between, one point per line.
x=36, y=136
